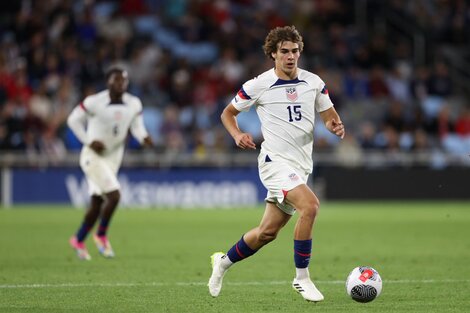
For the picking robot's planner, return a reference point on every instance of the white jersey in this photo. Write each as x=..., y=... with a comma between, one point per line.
x=286, y=109
x=96, y=118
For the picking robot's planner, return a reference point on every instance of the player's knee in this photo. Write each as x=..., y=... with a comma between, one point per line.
x=96, y=198
x=114, y=197
x=310, y=208
x=266, y=236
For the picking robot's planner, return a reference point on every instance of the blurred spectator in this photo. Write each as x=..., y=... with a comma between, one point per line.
x=52, y=147
x=462, y=124
x=439, y=82
x=366, y=137
x=349, y=152
x=379, y=52
x=40, y=103
x=3, y=137
x=355, y=84
x=377, y=86
x=398, y=83
x=444, y=123
x=421, y=141
x=395, y=117
x=420, y=83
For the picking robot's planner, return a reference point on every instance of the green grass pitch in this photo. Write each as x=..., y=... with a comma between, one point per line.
x=421, y=250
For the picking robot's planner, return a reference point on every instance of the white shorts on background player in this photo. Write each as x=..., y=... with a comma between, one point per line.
x=279, y=177
x=100, y=172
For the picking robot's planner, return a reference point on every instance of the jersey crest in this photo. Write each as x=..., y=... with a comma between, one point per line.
x=293, y=177
x=291, y=93
x=117, y=115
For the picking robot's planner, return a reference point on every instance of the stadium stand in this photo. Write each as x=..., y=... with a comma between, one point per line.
x=397, y=71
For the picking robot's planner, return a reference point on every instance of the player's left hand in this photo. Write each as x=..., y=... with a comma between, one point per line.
x=337, y=128
x=148, y=143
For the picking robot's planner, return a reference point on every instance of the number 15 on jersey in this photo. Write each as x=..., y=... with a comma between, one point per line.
x=294, y=113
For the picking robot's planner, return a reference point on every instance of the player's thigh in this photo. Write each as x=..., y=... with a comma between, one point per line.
x=101, y=174
x=302, y=197
x=280, y=178
x=273, y=219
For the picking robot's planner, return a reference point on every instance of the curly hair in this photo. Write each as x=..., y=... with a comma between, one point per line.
x=280, y=34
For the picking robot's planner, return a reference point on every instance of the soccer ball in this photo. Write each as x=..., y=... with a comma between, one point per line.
x=364, y=284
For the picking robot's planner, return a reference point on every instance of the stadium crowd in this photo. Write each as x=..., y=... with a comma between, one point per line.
x=187, y=59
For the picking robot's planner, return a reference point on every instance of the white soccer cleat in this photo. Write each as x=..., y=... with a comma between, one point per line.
x=218, y=272
x=307, y=289
x=104, y=246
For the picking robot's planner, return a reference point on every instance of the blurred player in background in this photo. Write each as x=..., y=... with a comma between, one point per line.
x=286, y=98
x=101, y=122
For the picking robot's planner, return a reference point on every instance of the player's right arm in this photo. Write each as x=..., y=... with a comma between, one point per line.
x=229, y=120
x=77, y=123
x=243, y=100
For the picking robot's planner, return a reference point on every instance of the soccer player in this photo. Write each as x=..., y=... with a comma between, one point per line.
x=286, y=98
x=101, y=122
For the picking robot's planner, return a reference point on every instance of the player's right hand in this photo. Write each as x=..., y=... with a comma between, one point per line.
x=97, y=146
x=244, y=141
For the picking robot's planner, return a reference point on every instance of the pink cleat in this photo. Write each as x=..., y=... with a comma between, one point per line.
x=80, y=248
x=104, y=246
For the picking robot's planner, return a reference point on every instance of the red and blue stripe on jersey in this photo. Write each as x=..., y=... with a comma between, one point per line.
x=83, y=107
x=242, y=94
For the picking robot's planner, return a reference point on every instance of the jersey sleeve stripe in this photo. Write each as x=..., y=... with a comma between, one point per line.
x=242, y=94
x=83, y=107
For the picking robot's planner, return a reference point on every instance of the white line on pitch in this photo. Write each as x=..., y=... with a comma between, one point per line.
x=247, y=283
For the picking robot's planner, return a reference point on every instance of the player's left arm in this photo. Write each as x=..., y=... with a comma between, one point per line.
x=139, y=132
x=333, y=122
x=137, y=127
x=148, y=142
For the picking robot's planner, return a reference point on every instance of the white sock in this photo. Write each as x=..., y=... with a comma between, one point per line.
x=225, y=262
x=301, y=273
